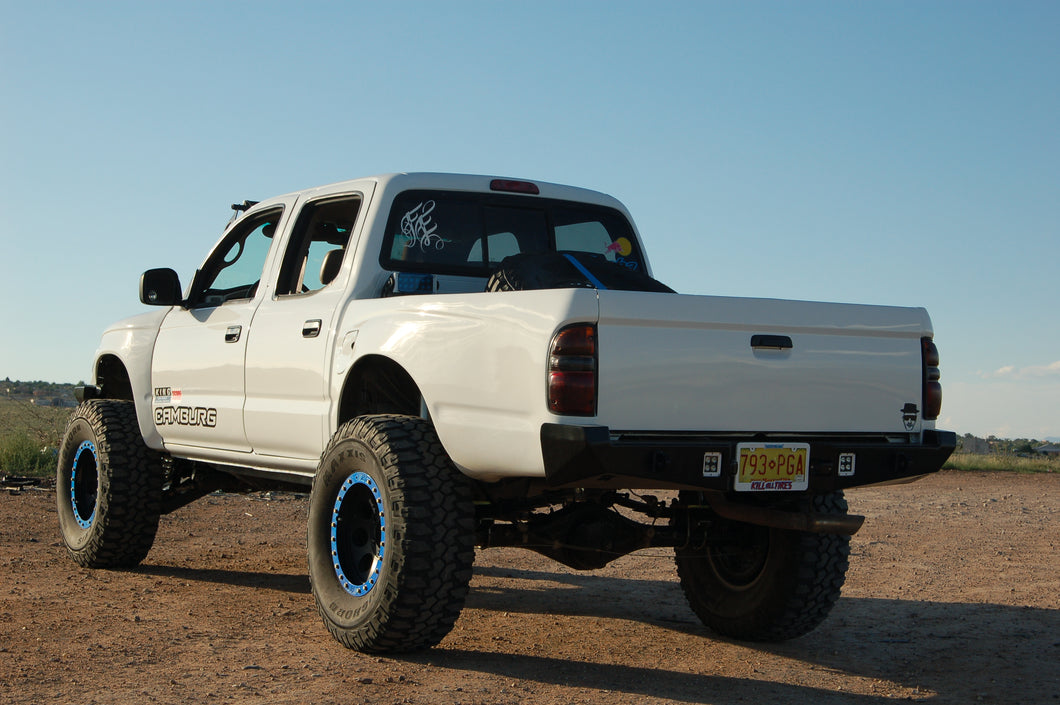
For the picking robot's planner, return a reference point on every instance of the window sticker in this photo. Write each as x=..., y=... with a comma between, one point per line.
x=621, y=249
x=622, y=246
x=419, y=229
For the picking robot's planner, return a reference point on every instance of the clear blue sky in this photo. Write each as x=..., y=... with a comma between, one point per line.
x=893, y=152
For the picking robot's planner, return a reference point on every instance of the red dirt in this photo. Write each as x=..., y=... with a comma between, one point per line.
x=953, y=596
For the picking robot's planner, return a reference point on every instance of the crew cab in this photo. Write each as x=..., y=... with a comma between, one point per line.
x=450, y=361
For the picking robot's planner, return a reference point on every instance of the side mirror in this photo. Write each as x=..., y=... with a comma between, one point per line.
x=160, y=287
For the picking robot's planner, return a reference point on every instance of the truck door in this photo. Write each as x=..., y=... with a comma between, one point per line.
x=199, y=356
x=287, y=401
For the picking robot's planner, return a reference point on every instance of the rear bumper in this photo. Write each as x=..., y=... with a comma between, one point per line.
x=591, y=456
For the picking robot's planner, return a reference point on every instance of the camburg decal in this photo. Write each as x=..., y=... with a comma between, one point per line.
x=185, y=416
x=181, y=415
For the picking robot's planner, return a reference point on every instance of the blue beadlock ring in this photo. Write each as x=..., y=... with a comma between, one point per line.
x=90, y=447
x=358, y=589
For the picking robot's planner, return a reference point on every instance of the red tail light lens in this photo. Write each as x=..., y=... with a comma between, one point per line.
x=932, y=401
x=572, y=371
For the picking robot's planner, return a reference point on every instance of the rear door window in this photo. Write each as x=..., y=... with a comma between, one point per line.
x=318, y=244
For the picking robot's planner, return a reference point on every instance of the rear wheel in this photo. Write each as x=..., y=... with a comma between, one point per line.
x=391, y=536
x=108, y=486
x=764, y=584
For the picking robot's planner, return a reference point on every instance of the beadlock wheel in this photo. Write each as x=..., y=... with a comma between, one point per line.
x=108, y=486
x=358, y=534
x=390, y=536
x=84, y=484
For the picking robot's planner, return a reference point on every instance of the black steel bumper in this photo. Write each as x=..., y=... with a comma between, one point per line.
x=588, y=456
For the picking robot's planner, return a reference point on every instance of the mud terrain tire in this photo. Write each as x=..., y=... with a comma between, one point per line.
x=763, y=584
x=391, y=536
x=108, y=486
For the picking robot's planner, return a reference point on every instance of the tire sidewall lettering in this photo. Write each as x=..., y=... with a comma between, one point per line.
x=127, y=506
x=79, y=430
x=429, y=535
x=349, y=611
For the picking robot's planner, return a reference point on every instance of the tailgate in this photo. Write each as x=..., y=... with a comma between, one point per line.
x=671, y=362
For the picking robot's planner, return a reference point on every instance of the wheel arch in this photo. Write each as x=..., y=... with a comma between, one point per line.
x=376, y=384
x=114, y=380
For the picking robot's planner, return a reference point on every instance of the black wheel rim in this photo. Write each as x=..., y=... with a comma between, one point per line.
x=740, y=555
x=84, y=484
x=358, y=534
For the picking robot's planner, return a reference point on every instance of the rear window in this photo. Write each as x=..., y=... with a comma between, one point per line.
x=449, y=232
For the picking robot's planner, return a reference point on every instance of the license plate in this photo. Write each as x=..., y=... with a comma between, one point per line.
x=768, y=467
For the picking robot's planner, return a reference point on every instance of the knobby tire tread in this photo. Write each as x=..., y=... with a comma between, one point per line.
x=435, y=552
x=130, y=487
x=820, y=562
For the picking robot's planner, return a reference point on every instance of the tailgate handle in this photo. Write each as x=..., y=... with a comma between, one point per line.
x=779, y=342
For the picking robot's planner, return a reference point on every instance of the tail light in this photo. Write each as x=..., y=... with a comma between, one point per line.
x=572, y=371
x=932, y=388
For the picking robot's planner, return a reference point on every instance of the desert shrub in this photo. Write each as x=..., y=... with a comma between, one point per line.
x=21, y=455
x=1003, y=462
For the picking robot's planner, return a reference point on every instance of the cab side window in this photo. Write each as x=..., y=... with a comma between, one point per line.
x=233, y=271
x=318, y=245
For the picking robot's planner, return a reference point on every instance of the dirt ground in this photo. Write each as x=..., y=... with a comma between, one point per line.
x=953, y=596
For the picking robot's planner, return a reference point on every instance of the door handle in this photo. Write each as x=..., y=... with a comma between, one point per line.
x=778, y=342
x=232, y=334
x=311, y=329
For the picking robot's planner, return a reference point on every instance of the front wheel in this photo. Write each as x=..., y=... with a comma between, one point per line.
x=391, y=536
x=108, y=486
x=764, y=584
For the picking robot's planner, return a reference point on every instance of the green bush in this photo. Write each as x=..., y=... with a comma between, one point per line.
x=21, y=455
x=1001, y=462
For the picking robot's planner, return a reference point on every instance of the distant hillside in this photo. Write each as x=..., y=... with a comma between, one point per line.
x=58, y=394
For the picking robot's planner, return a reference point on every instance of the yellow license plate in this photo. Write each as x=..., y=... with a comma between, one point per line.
x=768, y=467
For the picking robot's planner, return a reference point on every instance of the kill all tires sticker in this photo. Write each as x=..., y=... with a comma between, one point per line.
x=169, y=411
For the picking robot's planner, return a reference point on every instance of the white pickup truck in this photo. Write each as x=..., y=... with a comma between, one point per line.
x=453, y=361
